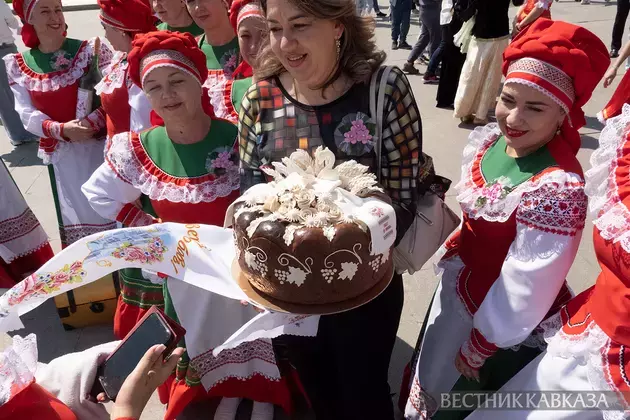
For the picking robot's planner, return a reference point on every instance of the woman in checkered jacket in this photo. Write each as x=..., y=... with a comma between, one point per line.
x=314, y=91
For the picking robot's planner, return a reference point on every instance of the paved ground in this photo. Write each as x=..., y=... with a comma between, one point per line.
x=444, y=139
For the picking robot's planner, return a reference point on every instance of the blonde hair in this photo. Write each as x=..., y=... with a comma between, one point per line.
x=359, y=56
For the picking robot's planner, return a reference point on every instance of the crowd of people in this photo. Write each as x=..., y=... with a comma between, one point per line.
x=188, y=101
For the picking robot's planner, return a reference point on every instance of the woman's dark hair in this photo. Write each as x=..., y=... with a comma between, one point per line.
x=359, y=56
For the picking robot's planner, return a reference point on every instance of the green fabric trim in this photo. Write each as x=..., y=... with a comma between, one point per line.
x=187, y=160
x=192, y=29
x=53, y=186
x=496, y=164
x=41, y=62
x=214, y=55
x=239, y=89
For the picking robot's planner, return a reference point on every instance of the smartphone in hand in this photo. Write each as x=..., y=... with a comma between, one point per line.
x=154, y=328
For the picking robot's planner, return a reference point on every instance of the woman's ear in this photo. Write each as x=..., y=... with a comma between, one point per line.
x=339, y=29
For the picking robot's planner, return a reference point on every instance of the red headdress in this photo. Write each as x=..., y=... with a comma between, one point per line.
x=127, y=15
x=563, y=61
x=241, y=10
x=24, y=9
x=168, y=49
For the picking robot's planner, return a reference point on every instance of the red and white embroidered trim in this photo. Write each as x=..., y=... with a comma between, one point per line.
x=221, y=100
x=476, y=349
x=115, y=76
x=131, y=216
x=131, y=163
x=420, y=401
x=558, y=209
x=19, y=73
x=248, y=11
x=547, y=78
x=168, y=58
x=114, y=23
x=96, y=119
x=53, y=129
x=29, y=5
x=242, y=362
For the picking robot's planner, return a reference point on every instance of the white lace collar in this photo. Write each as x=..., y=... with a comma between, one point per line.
x=612, y=217
x=496, y=201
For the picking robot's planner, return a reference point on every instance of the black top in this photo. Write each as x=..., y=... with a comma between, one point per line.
x=492, y=19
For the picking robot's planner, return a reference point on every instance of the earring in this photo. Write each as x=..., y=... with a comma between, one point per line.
x=338, y=44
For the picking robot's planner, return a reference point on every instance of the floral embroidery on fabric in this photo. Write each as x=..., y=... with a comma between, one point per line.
x=355, y=134
x=154, y=252
x=229, y=62
x=40, y=285
x=221, y=160
x=555, y=209
x=61, y=60
x=116, y=76
x=493, y=192
x=477, y=200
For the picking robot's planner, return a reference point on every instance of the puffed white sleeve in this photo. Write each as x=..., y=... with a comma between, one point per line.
x=140, y=116
x=550, y=221
x=114, y=197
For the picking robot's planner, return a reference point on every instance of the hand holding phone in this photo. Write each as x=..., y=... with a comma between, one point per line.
x=150, y=373
x=153, y=329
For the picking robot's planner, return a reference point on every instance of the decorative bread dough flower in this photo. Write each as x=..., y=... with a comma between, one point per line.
x=287, y=199
x=321, y=218
x=306, y=213
x=334, y=214
x=291, y=215
x=305, y=198
x=271, y=203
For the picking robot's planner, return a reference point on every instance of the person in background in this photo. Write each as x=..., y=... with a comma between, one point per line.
x=622, y=93
x=175, y=17
x=315, y=79
x=9, y=117
x=125, y=105
x=400, y=17
x=185, y=170
x=431, y=36
x=127, y=109
x=24, y=245
x=623, y=7
x=530, y=11
x=250, y=26
x=481, y=75
x=524, y=209
x=377, y=9
x=219, y=41
x=452, y=18
x=51, y=82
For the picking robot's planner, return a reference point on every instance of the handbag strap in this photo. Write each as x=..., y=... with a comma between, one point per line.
x=377, y=103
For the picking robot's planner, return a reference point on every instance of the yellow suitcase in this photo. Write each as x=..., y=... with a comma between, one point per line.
x=92, y=304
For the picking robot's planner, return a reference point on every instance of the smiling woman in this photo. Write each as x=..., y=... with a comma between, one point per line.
x=183, y=170
x=524, y=208
x=314, y=92
x=45, y=81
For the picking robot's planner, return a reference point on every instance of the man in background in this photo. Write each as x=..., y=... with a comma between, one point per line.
x=400, y=15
